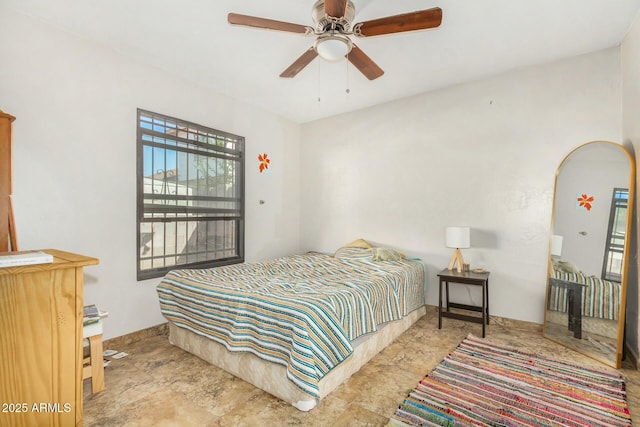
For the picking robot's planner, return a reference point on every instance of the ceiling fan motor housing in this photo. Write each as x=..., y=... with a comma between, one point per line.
x=326, y=23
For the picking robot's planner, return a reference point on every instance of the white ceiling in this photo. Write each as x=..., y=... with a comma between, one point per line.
x=477, y=38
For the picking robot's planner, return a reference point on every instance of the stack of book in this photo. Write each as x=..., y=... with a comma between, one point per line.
x=91, y=315
x=15, y=259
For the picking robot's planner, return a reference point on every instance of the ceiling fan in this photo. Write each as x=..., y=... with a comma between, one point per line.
x=333, y=19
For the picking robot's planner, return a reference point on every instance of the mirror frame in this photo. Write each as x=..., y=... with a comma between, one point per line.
x=625, y=255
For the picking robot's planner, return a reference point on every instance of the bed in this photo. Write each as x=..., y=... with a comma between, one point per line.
x=298, y=326
x=600, y=298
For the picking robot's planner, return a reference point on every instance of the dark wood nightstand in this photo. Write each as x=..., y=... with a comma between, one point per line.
x=466, y=278
x=574, y=303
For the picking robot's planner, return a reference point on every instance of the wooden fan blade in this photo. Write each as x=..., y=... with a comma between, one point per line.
x=269, y=24
x=420, y=20
x=362, y=62
x=300, y=63
x=335, y=8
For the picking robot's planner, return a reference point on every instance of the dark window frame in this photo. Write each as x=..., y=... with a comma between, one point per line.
x=619, y=200
x=206, y=215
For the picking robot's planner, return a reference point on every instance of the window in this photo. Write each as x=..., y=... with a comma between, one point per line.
x=190, y=196
x=614, y=245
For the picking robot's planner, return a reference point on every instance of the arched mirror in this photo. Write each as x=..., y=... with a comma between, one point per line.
x=589, y=251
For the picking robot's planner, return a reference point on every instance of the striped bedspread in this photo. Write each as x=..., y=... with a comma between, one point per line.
x=301, y=311
x=601, y=298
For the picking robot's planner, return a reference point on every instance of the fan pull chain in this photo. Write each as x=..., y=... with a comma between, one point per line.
x=348, y=91
x=319, y=86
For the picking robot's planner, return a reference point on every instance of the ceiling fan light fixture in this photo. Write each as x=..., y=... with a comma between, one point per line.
x=334, y=27
x=333, y=47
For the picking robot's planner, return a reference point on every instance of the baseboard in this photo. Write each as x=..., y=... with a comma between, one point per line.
x=163, y=329
x=505, y=322
x=124, y=340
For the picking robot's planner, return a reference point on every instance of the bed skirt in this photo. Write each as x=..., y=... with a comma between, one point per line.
x=272, y=377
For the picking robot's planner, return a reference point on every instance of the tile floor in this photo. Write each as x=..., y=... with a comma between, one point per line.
x=161, y=385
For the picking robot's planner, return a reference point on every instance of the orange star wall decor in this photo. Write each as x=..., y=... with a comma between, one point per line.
x=264, y=162
x=584, y=201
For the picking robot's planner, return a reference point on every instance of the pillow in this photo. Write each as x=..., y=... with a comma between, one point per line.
x=359, y=243
x=567, y=267
x=386, y=254
x=353, y=253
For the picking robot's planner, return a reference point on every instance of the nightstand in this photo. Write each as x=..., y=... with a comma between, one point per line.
x=465, y=278
x=574, y=303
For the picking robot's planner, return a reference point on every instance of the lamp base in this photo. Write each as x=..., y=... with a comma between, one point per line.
x=456, y=258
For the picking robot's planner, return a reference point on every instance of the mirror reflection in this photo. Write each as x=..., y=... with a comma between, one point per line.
x=588, y=251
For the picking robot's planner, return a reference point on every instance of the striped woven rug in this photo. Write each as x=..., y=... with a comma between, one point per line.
x=483, y=384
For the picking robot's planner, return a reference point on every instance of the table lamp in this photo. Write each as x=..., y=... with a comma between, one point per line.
x=556, y=246
x=457, y=237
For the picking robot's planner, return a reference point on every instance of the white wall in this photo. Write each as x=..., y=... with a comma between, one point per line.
x=482, y=154
x=75, y=159
x=631, y=137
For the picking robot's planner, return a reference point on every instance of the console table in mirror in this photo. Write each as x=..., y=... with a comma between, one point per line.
x=589, y=251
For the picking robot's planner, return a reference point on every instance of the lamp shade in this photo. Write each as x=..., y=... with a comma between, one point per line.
x=458, y=237
x=556, y=245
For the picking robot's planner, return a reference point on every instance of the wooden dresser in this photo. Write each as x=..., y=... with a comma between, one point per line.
x=7, y=233
x=41, y=342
